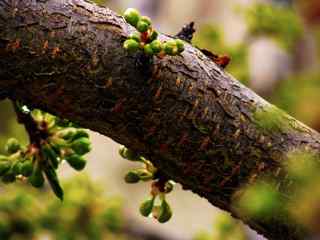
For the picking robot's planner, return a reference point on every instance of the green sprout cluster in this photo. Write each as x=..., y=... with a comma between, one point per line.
x=146, y=38
x=155, y=206
x=52, y=141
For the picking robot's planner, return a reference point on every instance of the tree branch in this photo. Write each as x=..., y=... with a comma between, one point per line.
x=195, y=122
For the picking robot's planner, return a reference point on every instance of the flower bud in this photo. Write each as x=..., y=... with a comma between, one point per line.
x=135, y=36
x=148, y=49
x=171, y=48
x=67, y=133
x=144, y=175
x=36, y=179
x=168, y=187
x=156, y=46
x=49, y=119
x=81, y=146
x=16, y=168
x=131, y=45
x=165, y=212
x=146, y=19
x=81, y=133
x=4, y=167
x=132, y=16
x=129, y=154
x=146, y=207
x=143, y=26
x=77, y=162
x=37, y=115
x=57, y=142
x=12, y=146
x=132, y=177
x=180, y=45
x=26, y=168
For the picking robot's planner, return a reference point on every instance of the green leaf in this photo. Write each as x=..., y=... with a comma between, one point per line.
x=54, y=182
x=50, y=154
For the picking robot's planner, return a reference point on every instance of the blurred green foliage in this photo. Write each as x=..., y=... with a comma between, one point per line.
x=86, y=213
x=211, y=37
x=225, y=227
x=277, y=21
x=299, y=96
x=9, y=126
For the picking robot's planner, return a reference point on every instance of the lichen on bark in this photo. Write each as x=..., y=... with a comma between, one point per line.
x=195, y=122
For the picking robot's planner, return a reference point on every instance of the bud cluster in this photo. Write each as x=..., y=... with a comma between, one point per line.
x=160, y=186
x=51, y=143
x=146, y=37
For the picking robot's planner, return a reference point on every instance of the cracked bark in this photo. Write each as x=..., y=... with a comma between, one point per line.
x=191, y=119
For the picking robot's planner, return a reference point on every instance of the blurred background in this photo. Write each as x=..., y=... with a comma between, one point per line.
x=275, y=50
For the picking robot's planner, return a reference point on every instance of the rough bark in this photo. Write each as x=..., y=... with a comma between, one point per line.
x=195, y=122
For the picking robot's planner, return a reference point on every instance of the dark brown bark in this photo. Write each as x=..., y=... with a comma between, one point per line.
x=191, y=119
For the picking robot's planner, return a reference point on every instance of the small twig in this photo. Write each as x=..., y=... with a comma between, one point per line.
x=187, y=32
x=35, y=134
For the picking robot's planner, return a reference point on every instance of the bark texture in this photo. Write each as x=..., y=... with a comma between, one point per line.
x=195, y=122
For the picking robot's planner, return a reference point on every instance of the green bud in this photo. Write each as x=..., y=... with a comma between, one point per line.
x=153, y=35
x=146, y=207
x=165, y=212
x=156, y=46
x=67, y=133
x=16, y=168
x=180, y=45
x=80, y=134
x=146, y=19
x=49, y=119
x=81, y=146
x=132, y=177
x=12, y=146
x=131, y=45
x=9, y=177
x=135, y=36
x=168, y=187
x=132, y=16
x=75, y=161
x=144, y=175
x=171, y=48
x=26, y=168
x=57, y=142
x=54, y=182
x=148, y=49
x=36, y=179
x=129, y=154
x=142, y=26
x=4, y=167
x=37, y=115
